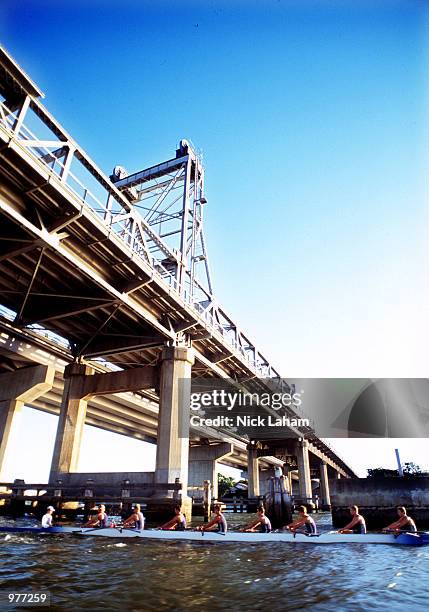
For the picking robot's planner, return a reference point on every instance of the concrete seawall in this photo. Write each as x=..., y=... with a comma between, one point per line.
x=378, y=498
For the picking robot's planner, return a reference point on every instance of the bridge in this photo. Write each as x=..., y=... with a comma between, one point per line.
x=108, y=303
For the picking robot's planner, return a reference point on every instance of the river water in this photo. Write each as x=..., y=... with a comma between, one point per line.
x=97, y=574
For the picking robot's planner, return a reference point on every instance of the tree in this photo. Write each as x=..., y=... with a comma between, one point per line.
x=381, y=473
x=411, y=469
x=224, y=483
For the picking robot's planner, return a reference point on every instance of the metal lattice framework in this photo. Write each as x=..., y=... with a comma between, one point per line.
x=170, y=199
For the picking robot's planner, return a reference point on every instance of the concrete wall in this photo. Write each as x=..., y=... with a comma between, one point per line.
x=204, y=464
x=199, y=471
x=377, y=499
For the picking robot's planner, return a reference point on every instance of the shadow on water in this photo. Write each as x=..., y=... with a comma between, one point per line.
x=97, y=574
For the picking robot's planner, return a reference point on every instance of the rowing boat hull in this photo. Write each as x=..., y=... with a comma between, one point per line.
x=231, y=536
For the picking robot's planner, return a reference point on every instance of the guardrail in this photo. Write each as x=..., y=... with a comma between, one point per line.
x=125, y=491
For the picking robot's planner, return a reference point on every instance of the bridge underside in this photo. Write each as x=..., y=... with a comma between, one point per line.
x=132, y=414
x=64, y=270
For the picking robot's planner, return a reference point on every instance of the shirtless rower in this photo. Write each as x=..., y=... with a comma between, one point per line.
x=177, y=523
x=305, y=523
x=262, y=523
x=137, y=518
x=102, y=519
x=218, y=520
x=356, y=525
x=404, y=523
x=47, y=518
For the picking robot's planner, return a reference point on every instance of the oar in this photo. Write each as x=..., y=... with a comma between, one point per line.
x=89, y=530
x=129, y=529
x=218, y=532
x=81, y=530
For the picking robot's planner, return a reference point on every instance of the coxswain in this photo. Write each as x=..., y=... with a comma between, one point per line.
x=219, y=520
x=357, y=524
x=262, y=523
x=177, y=523
x=305, y=523
x=404, y=523
x=102, y=520
x=137, y=518
x=47, y=518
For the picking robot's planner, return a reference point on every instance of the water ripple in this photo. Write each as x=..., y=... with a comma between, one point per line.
x=93, y=574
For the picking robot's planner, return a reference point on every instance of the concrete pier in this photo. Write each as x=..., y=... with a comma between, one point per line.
x=17, y=388
x=252, y=470
x=324, y=487
x=265, y=477
x=172, y=450
x=204, y=463
x=303, y=460
x=68, y=440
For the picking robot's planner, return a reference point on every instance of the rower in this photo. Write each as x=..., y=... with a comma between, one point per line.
x=356, y=525
x=177, y=523
x=218, y=520
x=102, y=520
x=305, y=523
x=404, y=523
x=262, y=523
x=47, y=518
x=137, y=518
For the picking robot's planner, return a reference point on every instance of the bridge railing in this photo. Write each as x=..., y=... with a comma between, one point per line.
x=85, y=491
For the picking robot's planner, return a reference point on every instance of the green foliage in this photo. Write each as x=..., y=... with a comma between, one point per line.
x=381, y=473
x=224, y=483
x=412, y=469
x=409, y=469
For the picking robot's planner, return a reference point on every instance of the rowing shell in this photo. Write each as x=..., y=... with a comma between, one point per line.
x=408, y=539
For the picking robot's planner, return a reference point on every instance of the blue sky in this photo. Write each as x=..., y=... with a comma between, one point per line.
x=312, y=119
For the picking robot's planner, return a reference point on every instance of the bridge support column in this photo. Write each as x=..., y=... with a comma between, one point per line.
x=324, y=487
x=252, y=471
x=72, y=419
x=172, y=450
x=265, y=477
x=17, y=388
x=204, y=464
x=287, y=473
x=305, y=490
x=9, y=411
